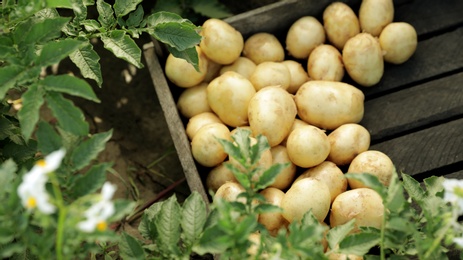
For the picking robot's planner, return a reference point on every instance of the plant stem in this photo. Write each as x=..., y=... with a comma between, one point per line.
x=61, y=216
x=382, y=235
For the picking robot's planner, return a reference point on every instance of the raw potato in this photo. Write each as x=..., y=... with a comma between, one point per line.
x=297, y=74
x=262, y=47
x=193, y=101
x=346, y=142
x=271, y=113
x=307, y=146
x=374, y=162
x=364, y=205
x=242, y=65
x=374, y=15
x=218, y=176
x=330, y=174
x=246, y=127
x=297, y=123
x=229, y=191
x=205, y=148
x=363, y=59
x=328, y=104
x=303, y=36
x=221, y=42
x=229, y=95
x=304, y=195
x=182, y=73
x=196, y=122
x=398, y=42
x=272, y=221
x=213, y=70
x=325, y=63
x=340, y=23
x=269, y=73
x=286, y=176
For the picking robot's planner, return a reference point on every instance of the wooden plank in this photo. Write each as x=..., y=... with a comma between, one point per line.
x=414, y=107
x=436, y=56
x=176, y=128
x=426, y=151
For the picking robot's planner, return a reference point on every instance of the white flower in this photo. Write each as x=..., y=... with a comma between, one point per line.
x=98, y=214
x=458, y=241
x=454, y=193
x=32, y=189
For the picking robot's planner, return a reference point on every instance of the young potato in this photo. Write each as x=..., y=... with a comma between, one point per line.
x=340, y=23
x=193, y=101
x=242, y=65
x=228, y=96
x=182, y=73
x=218, y=176
x=271, y=113
x=272, y=221
x=269, y=73
x=229, y=191
x=196, y=122
x=297, y=123
x=304, y=195
x=330, y=174
x=298, y=75
x=286, y=176
x=221, y=42
x=363, y=59
x=205, y=148
x=307, y=146
x=363, y=204
x=262, y=47
x=213, y=70
x=303, y=36
x=329, y=104
x=374, y=15
x=398, y=42
x=346, y=142
x=325, y=63
x=373, y=162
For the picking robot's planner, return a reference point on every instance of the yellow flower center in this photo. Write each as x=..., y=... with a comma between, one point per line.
x=458, y=191
x=31, y=203
x=101, y=226
x=41, y=163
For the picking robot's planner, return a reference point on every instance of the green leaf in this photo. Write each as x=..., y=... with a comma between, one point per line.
x=7, y=175
x=70, y=85
x=168, y=225
x=338, y=233
x=54, y=52
x=258, y=149
x=190, y=55
x=413, y=188
x=213, y=241
x=434, y=185
x=395, y=196
x=122, y=46
x=9, y=76
x=88, y=150
x=105, y=14
x=91, y=181
x=194, y=215
x=267, y=208
x=147, y=228
x=44, y=31
x=359, y=244
x=123, y=7
x=20, y=152
x=244, y=228
x=130, y=248
x=136, y=17
x=180, y=36
x=210, y=8
x=268, y=177
x=87, y=60
x=48, y=139
x=59, y=3
x=371, y=181
x=28, y=115
x=240, y=176
x=91, y=25
x=123, y=208
x=70, y=118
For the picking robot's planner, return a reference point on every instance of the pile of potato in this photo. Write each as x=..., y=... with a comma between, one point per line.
x=310, y=118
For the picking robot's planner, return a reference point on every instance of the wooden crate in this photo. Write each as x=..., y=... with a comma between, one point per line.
x=414, y=114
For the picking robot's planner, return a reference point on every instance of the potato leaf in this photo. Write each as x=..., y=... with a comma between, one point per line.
x=359, y=244
x=43, y=31
x=9, y=76
x=70, y=118
x=130, y=248
x=210, y=8
x=122, y=46
x=29, y=114
x=70, y=85
x=194, y=215
x=180, y=36
x=161, y=17
x=135, y=18
x=168, y=226
x=87, y=60
x=370, y=181
x=268, y=177
x=54, y=52
x=59, y=3
x=190, y=55
x=105, y=14
x=338, y=233
x=88, y=150
x=91, y=181
x=413, y=188
x=7, y=175
x=123, y=7
x=47, y=138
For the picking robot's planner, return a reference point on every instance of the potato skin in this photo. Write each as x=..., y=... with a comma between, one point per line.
x=182, y=73
x=242, y=65
x=328, y=104
x=298, y=75
x=307, y=146
x=218, y=176
x=205, y=148
x=374, y=15
x=262, y=47
x=270, y=73
x=272, y=221
x=374, y=162
x=229, y=191
x=398, y=42
x=196, y=122
x=347, y=141
x=340, y=23
x=303, y=36
x=193, y=101
x=286, y=177
x=325, y=63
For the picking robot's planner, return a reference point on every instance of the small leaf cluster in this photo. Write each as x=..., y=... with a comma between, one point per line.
x=195, y=10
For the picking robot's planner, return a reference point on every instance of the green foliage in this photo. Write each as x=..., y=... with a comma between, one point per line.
x=195, y=10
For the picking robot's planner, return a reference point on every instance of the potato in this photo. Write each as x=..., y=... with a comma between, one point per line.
x=182, y=73
x=303, y=36
x=325, y=63
x=228, y=96
x=193, y=101
x=307, y=146
x=330, y=174
x=374, y=162
x=221, y=42
x=262, y=47
x=213, y=70
x=328, y=105
x=196, y=122
x=205, y=148
x=246, y=127
x=271, y=113
x=398, y=42
x=272, y=221
x=297, y=123
x=340, y=23
x=374, y=15
x=286, y=176
x=363, y=59
x=218, y=176
x=229, y=191
x=346, y=142
x=242, y=65
x=298, y=75
x=304, y=195
x=269, y=73
x=363, y=204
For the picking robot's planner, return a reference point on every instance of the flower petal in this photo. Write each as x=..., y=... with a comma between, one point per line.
x=107, y=191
